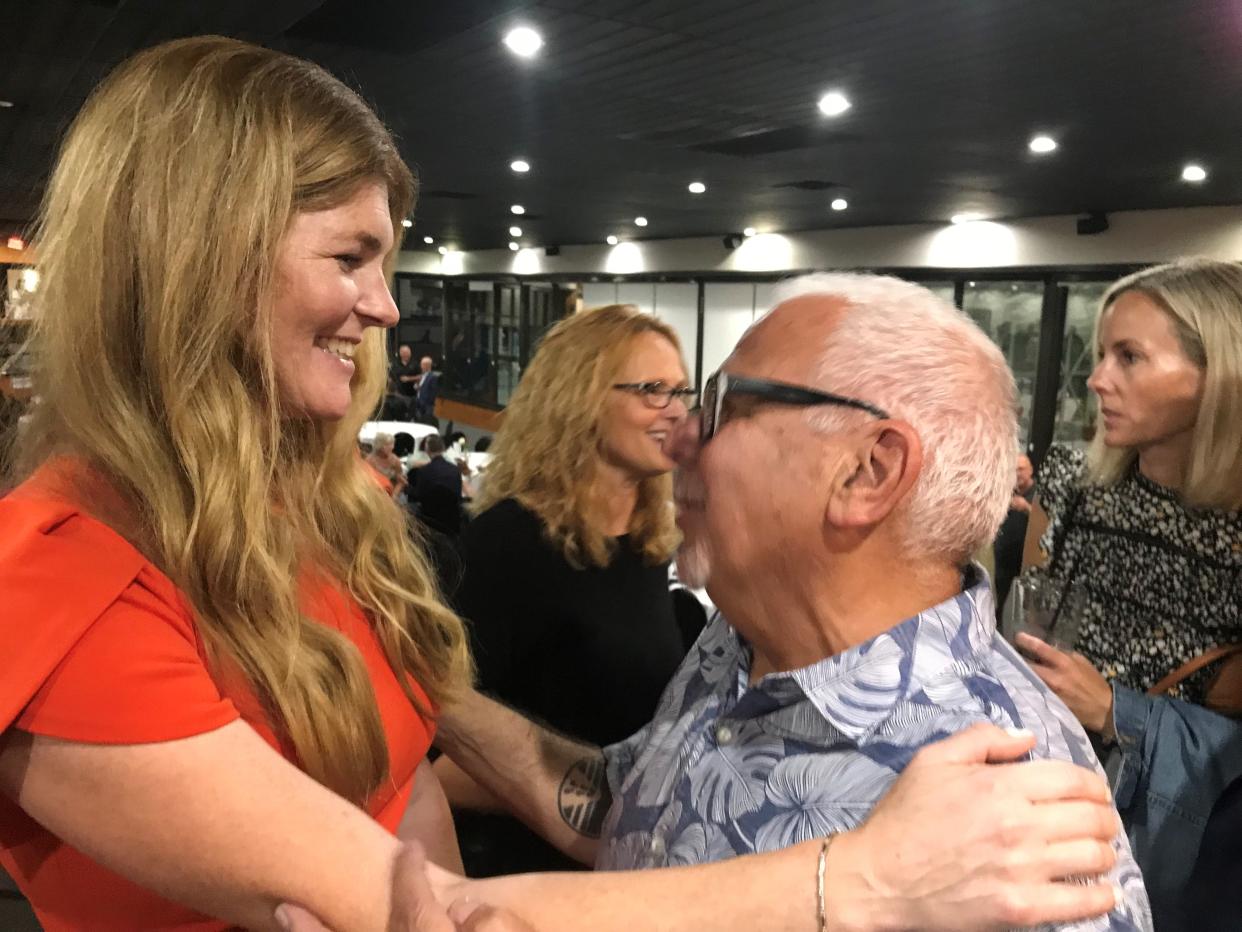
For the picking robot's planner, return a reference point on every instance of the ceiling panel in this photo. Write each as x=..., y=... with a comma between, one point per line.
x=632, y=99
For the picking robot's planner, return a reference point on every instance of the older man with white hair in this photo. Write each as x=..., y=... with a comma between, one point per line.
x=852, y=453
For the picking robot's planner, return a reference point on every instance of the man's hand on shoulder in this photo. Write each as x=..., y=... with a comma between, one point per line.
x=965, y=840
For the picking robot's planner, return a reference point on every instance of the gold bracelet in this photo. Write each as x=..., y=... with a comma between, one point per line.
x=821, y=905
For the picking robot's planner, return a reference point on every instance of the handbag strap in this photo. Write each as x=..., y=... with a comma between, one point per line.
x=1193, y=666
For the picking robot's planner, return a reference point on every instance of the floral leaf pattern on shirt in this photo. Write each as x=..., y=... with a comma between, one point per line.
x=730, y=768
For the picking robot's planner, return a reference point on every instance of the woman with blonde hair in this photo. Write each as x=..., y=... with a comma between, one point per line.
x=1147, y=527
x=566, y=563
x=222, y=657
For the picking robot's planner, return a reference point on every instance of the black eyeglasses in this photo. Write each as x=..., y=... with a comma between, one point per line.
x=657, y=394
x=719, y=386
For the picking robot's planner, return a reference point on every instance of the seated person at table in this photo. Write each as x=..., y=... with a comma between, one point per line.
x=434, y=490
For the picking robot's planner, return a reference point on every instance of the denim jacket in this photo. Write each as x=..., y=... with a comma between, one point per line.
x=1171, y=762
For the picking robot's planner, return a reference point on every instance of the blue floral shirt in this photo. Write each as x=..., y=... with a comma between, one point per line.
x=726, y=768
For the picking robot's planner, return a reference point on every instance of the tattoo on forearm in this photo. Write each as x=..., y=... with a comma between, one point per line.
x=584, y=798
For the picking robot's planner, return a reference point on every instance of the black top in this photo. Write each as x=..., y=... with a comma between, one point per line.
x=436, y=489
x=1162, y=582
x=588, y=651
x=398, y=369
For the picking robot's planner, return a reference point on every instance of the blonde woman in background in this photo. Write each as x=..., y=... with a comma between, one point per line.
x=221, y=656
x=566, y=563
x=1148, y=526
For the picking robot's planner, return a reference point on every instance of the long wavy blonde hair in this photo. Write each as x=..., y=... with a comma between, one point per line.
x=547, y=452
x=1203, y=298
x=159, y=236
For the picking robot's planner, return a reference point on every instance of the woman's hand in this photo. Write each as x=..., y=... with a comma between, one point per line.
x=415, y=907
x=1071, y=676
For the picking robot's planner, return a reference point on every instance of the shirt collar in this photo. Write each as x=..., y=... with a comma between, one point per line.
x=857, y=690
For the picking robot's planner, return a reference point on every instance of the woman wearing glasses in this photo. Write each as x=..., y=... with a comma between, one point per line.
x=566, y=564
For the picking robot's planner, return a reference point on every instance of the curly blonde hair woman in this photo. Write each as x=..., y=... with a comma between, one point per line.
x=215, y=242
x=565, y=577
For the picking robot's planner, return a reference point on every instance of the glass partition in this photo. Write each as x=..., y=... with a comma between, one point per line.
x=421, y=326
x=1010, y=312
x=1076, y=406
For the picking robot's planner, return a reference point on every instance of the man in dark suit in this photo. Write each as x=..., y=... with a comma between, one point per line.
x=434, y=490
x=428, y=387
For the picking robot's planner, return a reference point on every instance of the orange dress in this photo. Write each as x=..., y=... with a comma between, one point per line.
x=97, y=645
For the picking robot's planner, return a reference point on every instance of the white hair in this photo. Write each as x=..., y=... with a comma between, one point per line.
x=383, y=441
x=903, y=349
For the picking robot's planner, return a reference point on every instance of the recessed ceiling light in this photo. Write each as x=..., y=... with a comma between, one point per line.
x=407, y=223
x=1194, y=173
x=442, y=251
x=696, y=187
x=520, y=166
x=834, y=103
x=517, y=209
x=967, y=217
x=611, y=241
x=16, y=243
x=5, y=104
x=640, y=221
x=515, y=231
x=513, y=247
x=1042, y=144
x=749, y=232
x=840, y=204
x=523, y=41
x=428, y=240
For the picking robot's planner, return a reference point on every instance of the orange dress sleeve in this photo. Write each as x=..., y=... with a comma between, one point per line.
x=98, y=646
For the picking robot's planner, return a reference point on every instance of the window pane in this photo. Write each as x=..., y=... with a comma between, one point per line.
x=422, y=320
x=1009, y=313
x=942, y=290
x=728, y=310
x=1075, y=422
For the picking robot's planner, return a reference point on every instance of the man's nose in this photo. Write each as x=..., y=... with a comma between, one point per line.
x=683, y=446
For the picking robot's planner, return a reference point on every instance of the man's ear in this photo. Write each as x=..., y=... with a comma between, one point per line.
x=890, y=458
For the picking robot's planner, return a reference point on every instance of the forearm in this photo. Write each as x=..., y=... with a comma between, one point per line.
x=774, y=891
x=555, y=785
x=428, y=821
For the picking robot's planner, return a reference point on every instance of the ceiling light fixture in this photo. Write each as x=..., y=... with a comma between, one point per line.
x=517, y=209
x=520, y=166
x=16, y=243
x=428, y=240
x=407, y=223
x=834, y=103
x=513, y=247
x=840, y=204
x=611, y=241
x=1042, y=145
x=523, y=41
x=6, y=104
x=442, y=251
x=967, y=217
x=515, y=231
x=749, y=232
x=1194, y=173
x=640, y=221
x=696, y=187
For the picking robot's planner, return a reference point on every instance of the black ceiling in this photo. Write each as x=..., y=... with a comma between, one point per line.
x=630, y=100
